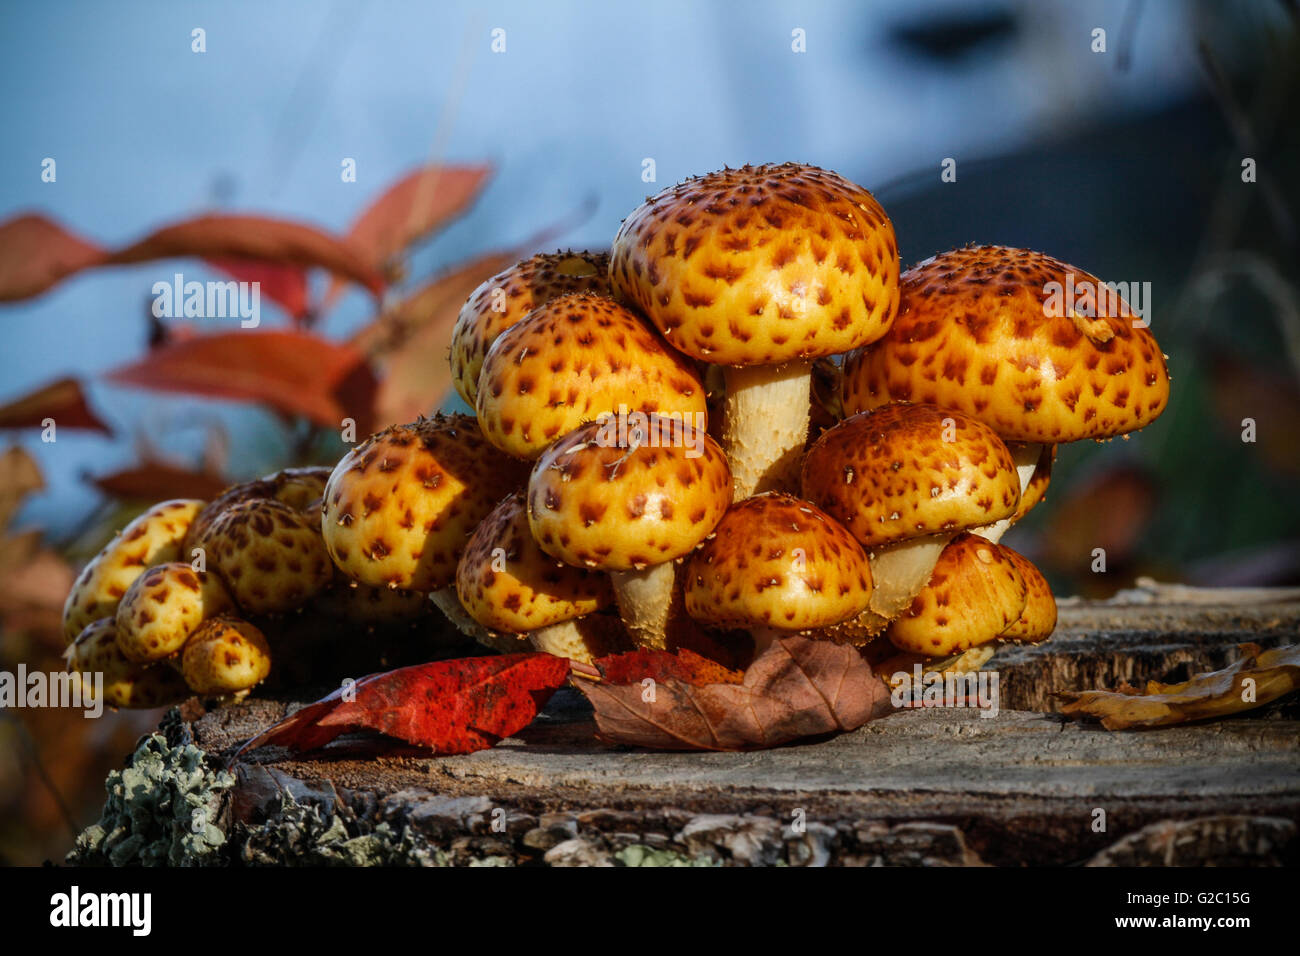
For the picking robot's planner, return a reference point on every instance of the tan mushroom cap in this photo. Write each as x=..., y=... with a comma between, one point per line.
x=760, y=265
x=225, y=656
x=571, y=359
x=126, y=683
x=778, y=562
x=503, y=300
x=975, y=593
x=269, y=556
x=973, y=334
x=295, y=487
x=1038, y=619
x=520, y=587
x=593, y=503
x=400, y=507
x=889, y=475
x=163, y=607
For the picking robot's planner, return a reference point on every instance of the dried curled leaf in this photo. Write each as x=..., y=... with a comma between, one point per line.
x=1250, y=682
x=796, y=688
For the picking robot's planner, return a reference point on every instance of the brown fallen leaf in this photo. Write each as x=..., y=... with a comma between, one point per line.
x=796, y=688
x=1220, y=693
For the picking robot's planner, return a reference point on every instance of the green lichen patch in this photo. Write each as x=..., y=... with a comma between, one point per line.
x=160, y=811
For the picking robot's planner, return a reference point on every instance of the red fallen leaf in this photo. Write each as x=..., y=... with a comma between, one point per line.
x=452, y=707
x=295, y=373
x=36, y=253
x=63, y=400
x=797, y=688
x=685, y=665
x=283, y=284
x=156, y=481
x=257, y=237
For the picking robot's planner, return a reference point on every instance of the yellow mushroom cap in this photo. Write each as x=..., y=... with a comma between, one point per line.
x=164, y=606
x=400, y=507
x=225, y=656
x=126, y=683
x=153, y=537
x=507, y=583
x=1038, y=619
x=760, y=265
x=908, y=470
x=982, y=330
x=974, y=594
x=593, y=502
x=503, y=300
x=571, y=359
x=295, y=487
x=776, y=561
x=270, y=557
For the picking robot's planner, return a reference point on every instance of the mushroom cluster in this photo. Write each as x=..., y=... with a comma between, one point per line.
x=686, y=481
x=177, y=603
x=740, y=422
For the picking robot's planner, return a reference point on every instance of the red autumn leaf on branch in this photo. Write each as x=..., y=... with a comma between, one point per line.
x=797, y=688
x=256, y=237
x=411, y=209
x=63, y=400
x=283, y=284
x=36, y=253
x=295, y=373
x=414, y=206
x=452, y=707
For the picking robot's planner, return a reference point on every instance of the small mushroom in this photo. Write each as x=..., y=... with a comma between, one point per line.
x=270, y=557
x=126, y=683
x=506, y=583
x=1038, y=619
x=225, y=657
x=761, y=270
x=974, y=594
x=152, y=538
x=164, y=606
x=986, y=331
x=777, y=565
x=904, y=479
x=295, y=487
x=506, y=298
x=631, y=507
x=572, y=359
x=400, y=507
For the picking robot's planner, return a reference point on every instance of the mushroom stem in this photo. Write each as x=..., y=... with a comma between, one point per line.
x=648, y=601
x=901, y=570
x=1026, y=456
x=765, y=425
x=446, y=600
x=582, y=639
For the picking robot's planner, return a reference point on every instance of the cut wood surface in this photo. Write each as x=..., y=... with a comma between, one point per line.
x=921, y=786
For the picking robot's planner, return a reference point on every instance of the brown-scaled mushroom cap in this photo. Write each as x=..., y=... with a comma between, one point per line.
x=982, y=330
x=1038, y=619
x=975, y=593
x=909, y=470
x=269, y=556
x=295, y=487
x=503, y=300
x=595, y=503
x=571, y=359
x=401, y=506
x=760, y=265
x=777, y=562
x=507, y=583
